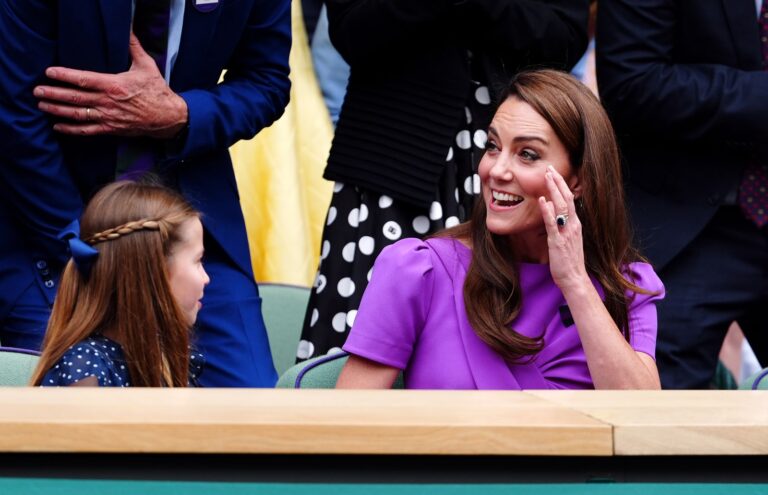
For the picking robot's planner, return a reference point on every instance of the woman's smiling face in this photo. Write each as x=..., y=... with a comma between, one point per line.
x=521, y=144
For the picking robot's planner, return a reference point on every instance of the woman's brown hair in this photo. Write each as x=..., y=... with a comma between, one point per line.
x=492, y=293
x=134, y=226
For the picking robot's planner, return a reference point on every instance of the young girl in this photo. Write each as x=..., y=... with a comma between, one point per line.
x=129, y=297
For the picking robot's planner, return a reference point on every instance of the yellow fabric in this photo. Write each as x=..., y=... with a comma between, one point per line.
x=279, y=174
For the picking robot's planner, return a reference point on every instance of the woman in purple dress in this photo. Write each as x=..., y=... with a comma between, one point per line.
x=541, y=288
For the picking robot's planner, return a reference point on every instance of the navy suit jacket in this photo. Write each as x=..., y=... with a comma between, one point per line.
x=45, y=178
x=685, y=87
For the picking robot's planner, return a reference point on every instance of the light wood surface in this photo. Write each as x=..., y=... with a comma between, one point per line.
x=294, y=421
x=687, y=422
x=282, y=421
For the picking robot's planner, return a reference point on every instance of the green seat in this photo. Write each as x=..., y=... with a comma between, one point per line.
x=320, y=372
x=723, y=379
x=758, y=381
x=283, y=307
x=17, y=366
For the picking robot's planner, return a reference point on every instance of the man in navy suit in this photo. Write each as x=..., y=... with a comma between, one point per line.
x=78, y=89
x=686, y=86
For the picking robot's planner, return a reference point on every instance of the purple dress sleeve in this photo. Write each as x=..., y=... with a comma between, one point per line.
x=642, y=308
x=395, y=305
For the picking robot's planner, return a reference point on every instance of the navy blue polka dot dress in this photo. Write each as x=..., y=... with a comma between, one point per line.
x=102, y=358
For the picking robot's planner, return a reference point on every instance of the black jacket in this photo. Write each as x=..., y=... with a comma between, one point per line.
x=410, y=78
x=684, y=84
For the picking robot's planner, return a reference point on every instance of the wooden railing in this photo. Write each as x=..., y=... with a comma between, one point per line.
x=535, y=423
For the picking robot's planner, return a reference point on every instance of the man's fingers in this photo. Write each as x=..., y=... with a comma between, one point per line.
x=85, y=129
x=65, y=111
x=139, y=56
x=81, y=78
x=69, y=96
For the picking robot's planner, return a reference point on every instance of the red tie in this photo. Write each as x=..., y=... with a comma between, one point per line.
x=753, y=198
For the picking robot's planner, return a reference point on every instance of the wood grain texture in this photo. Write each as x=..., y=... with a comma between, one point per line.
x=676, y=422
x=294, y=421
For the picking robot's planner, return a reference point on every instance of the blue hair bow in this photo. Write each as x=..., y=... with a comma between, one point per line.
x=83, y=254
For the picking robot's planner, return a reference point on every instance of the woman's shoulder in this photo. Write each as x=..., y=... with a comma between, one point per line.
x=644, y=276
x=412, y=246
x=423, y=254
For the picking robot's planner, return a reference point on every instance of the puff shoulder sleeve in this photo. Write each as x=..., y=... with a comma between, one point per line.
x=395, y=304
x=642, y=317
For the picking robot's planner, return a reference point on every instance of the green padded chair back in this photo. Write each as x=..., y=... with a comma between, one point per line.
x=723, y=379
x=16, y=366
x=758, y=381
x=283, y=307
x=320, y=372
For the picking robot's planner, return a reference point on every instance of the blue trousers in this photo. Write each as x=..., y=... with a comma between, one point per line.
x=230, y=330
x=24, y=327
x=721, y=277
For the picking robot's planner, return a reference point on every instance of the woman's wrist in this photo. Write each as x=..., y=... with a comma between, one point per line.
x=576, y=285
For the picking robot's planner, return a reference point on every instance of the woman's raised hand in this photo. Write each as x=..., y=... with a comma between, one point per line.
x=564, y=240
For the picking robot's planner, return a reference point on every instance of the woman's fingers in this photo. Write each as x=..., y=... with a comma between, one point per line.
x=565, y=192
x=556, y=196
x=548, y=214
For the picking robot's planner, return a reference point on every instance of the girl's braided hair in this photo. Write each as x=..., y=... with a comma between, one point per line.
x=128, y=292
x=124, y=229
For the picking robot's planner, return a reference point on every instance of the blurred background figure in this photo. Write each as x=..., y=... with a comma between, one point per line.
x=279, y=175
x=584, y=70
x=687, y=88
x=331, y=69
x=413, y=126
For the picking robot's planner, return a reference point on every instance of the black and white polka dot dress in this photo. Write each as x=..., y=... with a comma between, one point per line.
x=360, y=223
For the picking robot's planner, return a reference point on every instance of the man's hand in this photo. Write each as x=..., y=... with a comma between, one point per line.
x=133, y=103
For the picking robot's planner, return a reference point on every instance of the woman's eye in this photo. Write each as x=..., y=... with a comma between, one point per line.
x=490, y=146
x=529, y=155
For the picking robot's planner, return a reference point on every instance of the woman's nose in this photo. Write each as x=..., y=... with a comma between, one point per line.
x=501, y=170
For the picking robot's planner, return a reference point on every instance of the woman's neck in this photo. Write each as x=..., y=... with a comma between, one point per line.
x=530, y=247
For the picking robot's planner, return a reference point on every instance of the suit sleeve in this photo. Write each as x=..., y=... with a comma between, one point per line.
x=34, y=180
x=647, y=92
x=255, y=89
x=534, y=31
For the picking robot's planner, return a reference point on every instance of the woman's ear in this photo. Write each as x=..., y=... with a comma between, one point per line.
x=574, y=184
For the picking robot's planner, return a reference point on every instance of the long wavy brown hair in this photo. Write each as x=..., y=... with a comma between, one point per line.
x=134, y=226
x=492, y=293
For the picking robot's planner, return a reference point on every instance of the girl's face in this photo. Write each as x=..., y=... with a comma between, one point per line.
x=186, y=273
x=521, y=144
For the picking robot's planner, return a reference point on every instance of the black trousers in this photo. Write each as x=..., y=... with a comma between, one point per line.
x=721, y=277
